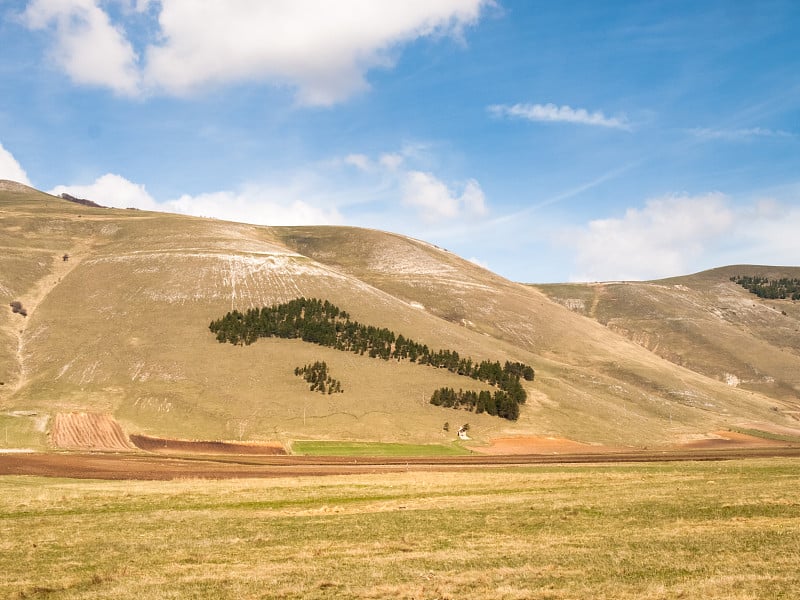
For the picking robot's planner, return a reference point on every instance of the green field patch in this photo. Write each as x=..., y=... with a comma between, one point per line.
x=22, y=429
x=314, y=448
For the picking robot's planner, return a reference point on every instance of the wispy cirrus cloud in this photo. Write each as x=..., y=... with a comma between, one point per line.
x=558, y=114
x=739, y=134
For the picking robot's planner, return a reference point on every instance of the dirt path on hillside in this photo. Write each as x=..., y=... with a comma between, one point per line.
x=38, y=293
x=599, y=291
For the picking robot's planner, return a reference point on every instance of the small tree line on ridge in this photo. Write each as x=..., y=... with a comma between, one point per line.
x=773, y=289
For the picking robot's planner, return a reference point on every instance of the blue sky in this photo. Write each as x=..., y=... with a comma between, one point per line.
x=545, y=141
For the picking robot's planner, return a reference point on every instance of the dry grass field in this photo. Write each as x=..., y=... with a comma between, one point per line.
x=726, y=529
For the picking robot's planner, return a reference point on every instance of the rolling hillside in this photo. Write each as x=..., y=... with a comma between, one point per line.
x=706, y=323
x=120, y=328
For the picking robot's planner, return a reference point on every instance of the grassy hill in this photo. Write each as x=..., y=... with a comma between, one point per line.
x=706, y=323
x=121, y=327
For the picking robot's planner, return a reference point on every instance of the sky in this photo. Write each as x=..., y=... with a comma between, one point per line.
x=545, y=141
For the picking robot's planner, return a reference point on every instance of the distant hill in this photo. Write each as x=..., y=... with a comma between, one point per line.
x=704, y=322
x=119, y=303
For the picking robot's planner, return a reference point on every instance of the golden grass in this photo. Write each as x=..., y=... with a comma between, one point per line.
x=710, y=530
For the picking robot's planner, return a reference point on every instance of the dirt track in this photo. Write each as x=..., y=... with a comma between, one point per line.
x=149, y=467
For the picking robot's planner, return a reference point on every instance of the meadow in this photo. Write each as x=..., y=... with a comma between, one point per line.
x=728, y=529
x=344, y=448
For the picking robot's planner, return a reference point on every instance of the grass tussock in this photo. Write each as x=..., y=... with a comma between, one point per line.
x=721, y=530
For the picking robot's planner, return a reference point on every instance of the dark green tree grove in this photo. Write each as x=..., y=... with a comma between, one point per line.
x=320, y=322
x=773, y=289
x=319, y=379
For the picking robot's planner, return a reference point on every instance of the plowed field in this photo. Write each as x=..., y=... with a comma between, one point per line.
x=88, y=431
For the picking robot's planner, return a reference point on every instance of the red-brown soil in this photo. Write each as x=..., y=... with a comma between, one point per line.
x=168, y=446
x=731, y=439
x=156, y=467
x=88, y=431
x=520, y=445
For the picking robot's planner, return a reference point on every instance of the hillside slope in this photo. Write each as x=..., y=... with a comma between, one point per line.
x=118, y=304
x=707, y=323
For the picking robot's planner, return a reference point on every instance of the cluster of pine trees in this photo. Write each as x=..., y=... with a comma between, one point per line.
x=498, y=403
x=774, y=289
x=317, y=375
x=320, y=322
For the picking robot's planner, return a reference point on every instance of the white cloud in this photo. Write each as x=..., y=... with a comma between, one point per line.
x=113, y=191
x=553, y=113
x=665, y=238
x=435, y=201
x=11, y=169
x=678, y=235
x=262, y=205
x=86, y=44
x=320, y=48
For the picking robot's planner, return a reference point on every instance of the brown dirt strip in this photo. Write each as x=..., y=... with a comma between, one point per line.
x=148, y=467
x=172, y=446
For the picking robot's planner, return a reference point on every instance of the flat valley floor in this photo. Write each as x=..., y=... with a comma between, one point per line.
x=440, y=528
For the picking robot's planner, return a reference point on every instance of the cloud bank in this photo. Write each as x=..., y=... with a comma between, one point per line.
x=677, y=235
x=321, y=49
x=258, y=204
x=315, y=195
